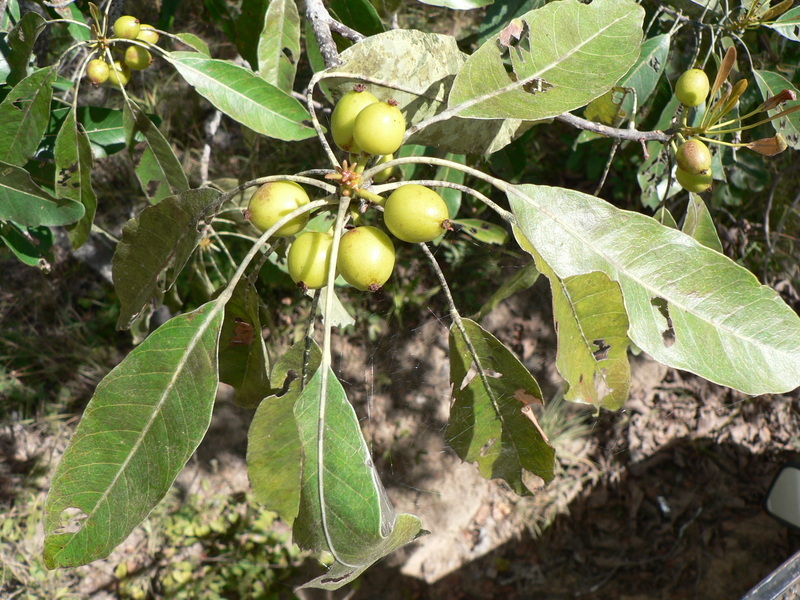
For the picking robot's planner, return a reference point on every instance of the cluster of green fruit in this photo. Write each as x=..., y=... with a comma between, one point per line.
x=693, y=156
x=362, y=125
x=136, y=57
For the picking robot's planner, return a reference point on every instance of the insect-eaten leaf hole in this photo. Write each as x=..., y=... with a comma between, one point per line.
x=667, y=334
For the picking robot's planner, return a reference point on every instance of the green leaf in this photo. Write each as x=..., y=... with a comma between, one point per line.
x=143, y=424
x=249, y=25
x=273, y=441
x=343, y=506
x=501, y=12
x=689, y=306
x=243, y=361
x=159, y=171
x=644, y=75
x=21, y=40
x=788, y=24
x=28, y=205
x=243, y=96
x=770, y=84
x=592, y=326
x=359, y=15
x=523, y=279
x=490, y=420
x=24, y=115
x=554, y=59
x=451, y=196
x=74, y=176
x=163, y=235
x=195, y=42
x=458, y=4
x=78, y=33
x=665, y=217
x=31, y=246
x=279, y=45
x=483, y=231
x=699, y=224
x=425, y=64
x=653, y=174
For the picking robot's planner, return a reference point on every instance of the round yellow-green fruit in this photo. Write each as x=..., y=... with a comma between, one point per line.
x=382, y=176
x=97, y=71
x=147, y=33
x=126, y=27
x=119, y=74
x=379, y=129
x=366, y=258
x=692, y=87
x=138, y=58
x=694, y=182
x=414, y=213
x=344, y=117
x=273, y=201
x=309, y=258
x=694, y=157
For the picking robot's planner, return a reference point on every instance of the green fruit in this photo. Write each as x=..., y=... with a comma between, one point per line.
x=414, y=213
x=366, y=258
x=692, y=87
x=126, y=27
x=384, y=175
x=309, y=258
x=138, y=58
x=379, y=129
x=273, y=201
x=147, y=33
x=97, y=71
x=694, y=157
x=694, y=182
x=119, y=74
x=344, y=117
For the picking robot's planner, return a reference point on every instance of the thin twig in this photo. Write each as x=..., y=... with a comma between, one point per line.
x=615, y=132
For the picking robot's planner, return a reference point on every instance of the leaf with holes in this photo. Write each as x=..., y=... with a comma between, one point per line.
x=143, y=424
x=344, y=508
x=689, y=307
x=771, y=84
x=28, y=205
x=788, y=24
x=552, y=60
x=279, y=44
x=487, y=424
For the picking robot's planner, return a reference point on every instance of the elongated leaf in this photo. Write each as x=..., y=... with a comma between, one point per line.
x=552, y=60
x=162, y=235
x=244, y=96
x=458, y=4
x=343, y=506
x=273, y=441
x=645, y=73
x=689, y=306
x=788, y=24
x=359, y=15
x=159, y=171
x=451, y=196
x=24, y=115
x=20, y=41
x=426, y=64
x=249, y=26
x=243, y=361
x=144, y=422
x=31, y=246
x=279, y=44
x=483, y=231
x=592, y=327
x=74, y=176
x=770, y=84
x=28, y=205
x=524, y=278
x=487, y=423
x=195, y=42
x=699, y=224
x=665, y=217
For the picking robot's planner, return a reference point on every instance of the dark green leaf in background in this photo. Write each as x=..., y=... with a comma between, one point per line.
x=144, y=422
x=163, y=235
x=24, y=115
x=74, y=176
x=28, y=205
x=159, y=171
x=451, y=196
x=359, y=15
x=522, y=279
x=547, y=63
x=249, y=25
x=21, y=40
x=31, y=246
x=490, y=423
x=273, y=441
x=245, y=97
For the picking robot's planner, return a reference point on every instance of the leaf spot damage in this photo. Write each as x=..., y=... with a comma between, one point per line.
x=668, y=333
x=72, y=520
x=602, y=350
